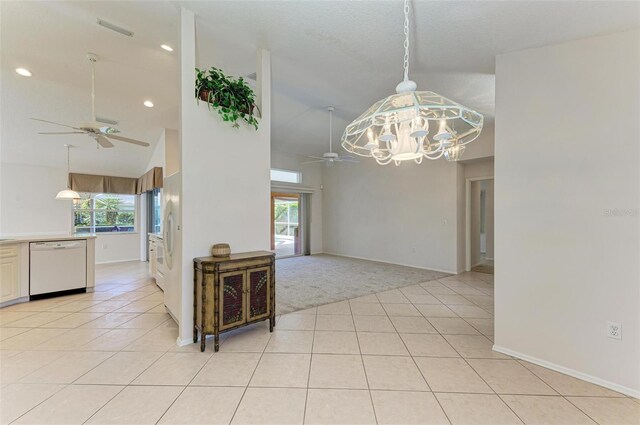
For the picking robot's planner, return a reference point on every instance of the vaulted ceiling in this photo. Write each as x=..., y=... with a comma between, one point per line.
x=347, y=54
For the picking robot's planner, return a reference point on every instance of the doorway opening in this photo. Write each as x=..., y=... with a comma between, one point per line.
x=479, y=225
x=286, y=226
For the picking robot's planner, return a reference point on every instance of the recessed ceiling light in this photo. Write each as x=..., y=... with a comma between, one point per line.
x=148, y=104
x=167, y=47
x=24, y=72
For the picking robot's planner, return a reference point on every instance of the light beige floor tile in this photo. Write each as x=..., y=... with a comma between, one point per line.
x=435, y=288
x=250, y=340
x=400, y=310
x=110, y=320
x=71, y=340
x=139, y=306
x=371, y=298
x=73, y=320
x=381, y=344
x=480, y=299
x=609, y=411
x=227, y=370
x=297, y=322
x=453, y=326
x=130, y=296
x=120, y=369
x=428, y=345
x=173, y=369
x=204, y=405
x=451, y=375
x=568, y=385
x=337, y=371
x=159, y=339
x=72, y=405
x=272, y=406
x=137, y=406
x=38, y=319
x=326, y=322
x=510, y=377
x=330, y=342
x=453, y=300
x=67, y=368
x=407, y=408
x=367, y=309
x=158, y=309
x=425, y=298
x=393, y=373
x=393, y=296
x=546, y=410
x=484, y=326
x=18, y=399
x=431, y=310
x=9, y=332
x=339, y=407
x=290, y=342
x=470, y=311
x=312, y=310
x=413, y=290
x=74, y=306
x=474, y=347
x=145, y=321
x=14, y=368
x=341, y=307
x=106, y=306
x=373, y=323
x=418, y=325
x=114, y=340
x=476, y=409
x=30, y=339
x=282, y=370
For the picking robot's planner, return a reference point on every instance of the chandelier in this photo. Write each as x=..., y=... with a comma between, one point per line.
x=398, y=128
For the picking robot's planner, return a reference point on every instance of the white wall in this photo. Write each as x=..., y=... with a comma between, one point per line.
x=405, y=215
x=567, y=154
x=482, y=147
x=311, y=178
x=225, y=194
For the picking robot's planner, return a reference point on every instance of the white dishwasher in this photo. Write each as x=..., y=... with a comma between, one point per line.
x=57, y=266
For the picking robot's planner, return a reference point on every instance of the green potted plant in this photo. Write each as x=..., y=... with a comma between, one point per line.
x=232, y=98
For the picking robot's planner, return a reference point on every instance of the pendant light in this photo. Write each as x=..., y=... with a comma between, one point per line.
x=68, y=193
x=397, y=128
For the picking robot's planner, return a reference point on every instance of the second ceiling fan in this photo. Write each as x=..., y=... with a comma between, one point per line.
x=99, y=132
x=330, y=157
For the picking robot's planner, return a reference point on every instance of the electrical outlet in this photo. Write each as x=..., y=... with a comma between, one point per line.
x=614, y=330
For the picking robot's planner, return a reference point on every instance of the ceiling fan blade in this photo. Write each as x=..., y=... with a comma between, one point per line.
x=126, y=139
x=312, y=162
x=62, y=132
x=104, y=142
x=56, y=123
x=315, y=157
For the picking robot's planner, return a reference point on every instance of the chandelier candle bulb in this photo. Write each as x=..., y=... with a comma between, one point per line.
x=401, y=122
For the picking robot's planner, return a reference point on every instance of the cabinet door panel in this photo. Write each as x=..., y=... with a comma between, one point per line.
x=259, y=292
x=9, y=278
x=232, y=299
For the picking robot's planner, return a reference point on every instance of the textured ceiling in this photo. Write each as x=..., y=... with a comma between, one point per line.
x=341, y=53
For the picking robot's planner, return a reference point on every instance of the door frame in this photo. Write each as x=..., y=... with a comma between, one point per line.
x=467, y=217
x=290, y=195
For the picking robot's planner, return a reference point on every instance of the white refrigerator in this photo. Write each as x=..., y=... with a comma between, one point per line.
x=172, y=235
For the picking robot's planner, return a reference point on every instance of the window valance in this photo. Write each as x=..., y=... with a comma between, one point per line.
x=111, y=184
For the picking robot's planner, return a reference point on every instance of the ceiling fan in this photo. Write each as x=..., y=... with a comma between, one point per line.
x=330, y=157
x=98, y=131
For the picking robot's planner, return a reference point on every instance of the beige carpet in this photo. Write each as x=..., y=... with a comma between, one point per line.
x=304, y=282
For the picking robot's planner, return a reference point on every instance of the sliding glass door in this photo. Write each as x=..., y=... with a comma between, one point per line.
x=286, y=228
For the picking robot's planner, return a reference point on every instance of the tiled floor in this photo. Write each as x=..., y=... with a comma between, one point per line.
x=416, y=355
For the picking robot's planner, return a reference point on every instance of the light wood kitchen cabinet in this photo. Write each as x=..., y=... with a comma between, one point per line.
x=9, y=273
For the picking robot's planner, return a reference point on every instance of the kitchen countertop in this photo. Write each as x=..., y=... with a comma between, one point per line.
x=7, y=240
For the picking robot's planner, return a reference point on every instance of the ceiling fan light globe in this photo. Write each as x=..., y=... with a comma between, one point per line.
x=68, y=194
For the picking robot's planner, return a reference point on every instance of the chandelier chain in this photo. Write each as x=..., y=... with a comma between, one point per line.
x=406, y=40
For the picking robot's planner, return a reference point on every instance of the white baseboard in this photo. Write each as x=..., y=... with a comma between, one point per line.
x=14, y=301
x=574, y=373
x=119, y=261
x=183, y=342
x=390, y=262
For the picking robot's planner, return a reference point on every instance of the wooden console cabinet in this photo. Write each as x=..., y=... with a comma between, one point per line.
x=231, y=292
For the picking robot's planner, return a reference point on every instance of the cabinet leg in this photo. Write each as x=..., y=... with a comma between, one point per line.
x=203, y=339
x=216, y=343
x=195, y=335
x=272, y=323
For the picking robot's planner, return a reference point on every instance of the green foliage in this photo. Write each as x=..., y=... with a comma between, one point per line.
x=232, y=98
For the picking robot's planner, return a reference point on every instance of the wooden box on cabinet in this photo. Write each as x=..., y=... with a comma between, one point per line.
x=230, y=292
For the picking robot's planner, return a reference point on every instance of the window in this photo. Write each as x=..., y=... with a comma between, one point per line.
x=285, y=176
x=105, y=213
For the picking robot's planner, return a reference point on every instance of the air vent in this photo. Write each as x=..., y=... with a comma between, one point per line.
x=106, y=120
x=115, y=28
